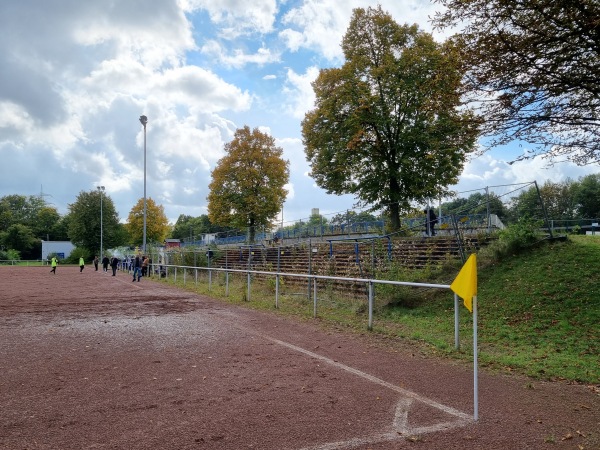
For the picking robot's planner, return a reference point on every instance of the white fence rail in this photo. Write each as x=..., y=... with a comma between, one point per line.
x=170, y=270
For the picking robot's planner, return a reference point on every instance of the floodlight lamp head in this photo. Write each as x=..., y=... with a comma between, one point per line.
x=143, y=120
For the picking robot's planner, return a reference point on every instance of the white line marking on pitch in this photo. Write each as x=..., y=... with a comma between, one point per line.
x=400, y=427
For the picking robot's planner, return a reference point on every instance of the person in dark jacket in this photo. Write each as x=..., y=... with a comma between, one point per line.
x=114, y=263
x=105, y=262
x=137, y=268
x=430, y=221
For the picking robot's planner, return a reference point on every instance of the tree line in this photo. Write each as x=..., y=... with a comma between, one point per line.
x=26, y=221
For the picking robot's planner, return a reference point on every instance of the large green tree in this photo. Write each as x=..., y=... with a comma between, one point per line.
x=388, y=125
x=557, y=202
x=84, y=221
x=587, y=196
x=26, y=221
x=20, y=238
x=533, y=71
x=476, y=203
x=188, y=227
x=349, y=217
x=19, y=209
x=247, y=188
x=157, y=223
x=47, y=224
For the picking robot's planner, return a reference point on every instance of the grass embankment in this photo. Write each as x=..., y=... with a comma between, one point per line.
x=538, y=314
x=539, y=311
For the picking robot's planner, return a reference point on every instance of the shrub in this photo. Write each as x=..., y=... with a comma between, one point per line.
x=10, y=255
x=77, y=252
x=517, y=237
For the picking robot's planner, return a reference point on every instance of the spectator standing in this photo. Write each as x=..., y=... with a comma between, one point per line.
x=430, y=221
x=105, y=262
x=114, y=263
x=145, y=262
x=96, y=262
x=137, y=268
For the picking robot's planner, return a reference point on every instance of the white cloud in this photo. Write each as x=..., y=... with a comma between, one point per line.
x=320, y=25
x=201, y=89
x=299, y=94
x=237, y=58
x=317, y=25
x=238, y=17
x=489, y=170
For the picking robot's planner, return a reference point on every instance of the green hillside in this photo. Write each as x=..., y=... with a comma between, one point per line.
x=539, y=314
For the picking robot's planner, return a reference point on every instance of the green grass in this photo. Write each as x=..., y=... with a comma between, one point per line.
x=539, y=311
x=31, y=263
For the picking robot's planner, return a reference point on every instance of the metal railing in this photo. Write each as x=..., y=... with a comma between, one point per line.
x=170, y=271
x=27, y=263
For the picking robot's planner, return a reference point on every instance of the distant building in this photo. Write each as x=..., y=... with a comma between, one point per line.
x=172, y=243
x=62, y=248
x=208, y=238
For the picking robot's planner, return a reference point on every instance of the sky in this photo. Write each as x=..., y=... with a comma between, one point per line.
x=75, y=76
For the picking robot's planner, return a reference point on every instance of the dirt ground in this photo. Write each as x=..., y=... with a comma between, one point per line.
x=91, y=361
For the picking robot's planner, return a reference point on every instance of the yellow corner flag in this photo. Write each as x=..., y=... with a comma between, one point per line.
x=465, y=283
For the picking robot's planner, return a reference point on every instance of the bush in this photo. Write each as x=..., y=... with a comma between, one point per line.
x=10, y=255
x=77, y=252
x=272, y=281
x=517, y=237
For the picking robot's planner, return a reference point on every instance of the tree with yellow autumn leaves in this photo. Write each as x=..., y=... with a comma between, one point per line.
x=247, y=187
x=157, y=224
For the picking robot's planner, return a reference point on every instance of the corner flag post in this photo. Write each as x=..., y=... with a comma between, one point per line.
x=465, y=286
x=475, y=377
x=456, y=324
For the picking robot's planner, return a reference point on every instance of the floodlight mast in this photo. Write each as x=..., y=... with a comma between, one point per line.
x=144, y=121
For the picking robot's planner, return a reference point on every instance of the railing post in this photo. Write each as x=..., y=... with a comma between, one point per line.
x=456, y=311
x=248, y=295
x=370, y=305
x=277, y=291
x=314, y=298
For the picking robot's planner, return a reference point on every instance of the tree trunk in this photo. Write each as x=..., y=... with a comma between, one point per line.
x=395, y=216
x=251, y=231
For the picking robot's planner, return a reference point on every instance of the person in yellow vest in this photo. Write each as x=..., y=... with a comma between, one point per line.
x=81, y=264
x=54, y=263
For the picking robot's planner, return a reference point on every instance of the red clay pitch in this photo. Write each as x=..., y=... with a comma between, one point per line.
x=91, y=361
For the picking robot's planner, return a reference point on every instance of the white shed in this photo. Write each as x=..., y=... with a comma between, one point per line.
x=62, y=248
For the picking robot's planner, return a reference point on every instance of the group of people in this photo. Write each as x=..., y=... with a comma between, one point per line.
x=138, y=264
x=112, y=262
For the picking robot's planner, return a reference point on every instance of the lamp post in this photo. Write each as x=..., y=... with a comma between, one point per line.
x=144, y=121
x=101, y=190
